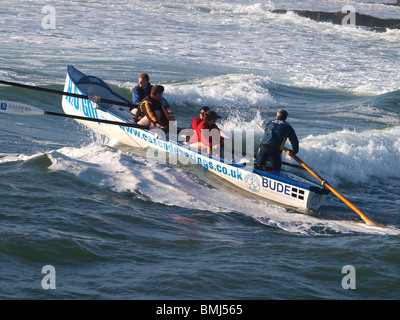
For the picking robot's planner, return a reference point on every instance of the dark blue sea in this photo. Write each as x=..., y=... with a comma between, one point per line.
x=85, y=217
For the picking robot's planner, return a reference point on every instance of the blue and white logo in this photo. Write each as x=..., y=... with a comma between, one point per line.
x=252, y=182
x=316, y=198
x=3, y=106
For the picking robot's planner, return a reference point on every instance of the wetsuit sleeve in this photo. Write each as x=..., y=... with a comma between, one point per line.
x=293, y=140
x=267, y=133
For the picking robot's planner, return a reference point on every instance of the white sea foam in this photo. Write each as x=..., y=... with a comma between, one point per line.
x=232, y=95
x=367, y=113
x=239, y=90
x=208, y=37
x=355, y=156
x=124, y=172
x=13, y=157
x=113, y=169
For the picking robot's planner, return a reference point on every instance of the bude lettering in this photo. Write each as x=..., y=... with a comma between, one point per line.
x=276, y=186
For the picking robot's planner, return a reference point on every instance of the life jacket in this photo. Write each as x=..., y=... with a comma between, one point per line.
x=147, y=108
x=205, y=137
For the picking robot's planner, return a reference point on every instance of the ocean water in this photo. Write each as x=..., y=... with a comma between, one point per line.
x=115, y=226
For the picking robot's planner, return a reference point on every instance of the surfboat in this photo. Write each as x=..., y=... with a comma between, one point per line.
x=279, y=186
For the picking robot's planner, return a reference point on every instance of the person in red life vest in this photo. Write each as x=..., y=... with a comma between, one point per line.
x=151, y=111
x=196, y=121
x=207, y=136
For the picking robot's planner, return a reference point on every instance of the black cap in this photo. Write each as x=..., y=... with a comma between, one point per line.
x=204, y=109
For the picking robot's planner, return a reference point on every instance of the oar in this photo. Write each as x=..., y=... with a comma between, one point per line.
x=75, y=95
x=326, y=184
x=292, y=165
x=10, y=107
x=332, y=189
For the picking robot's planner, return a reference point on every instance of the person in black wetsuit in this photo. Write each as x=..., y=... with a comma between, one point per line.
x=271, y=145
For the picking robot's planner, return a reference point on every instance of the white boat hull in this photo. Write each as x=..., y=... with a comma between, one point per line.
x=278, y=186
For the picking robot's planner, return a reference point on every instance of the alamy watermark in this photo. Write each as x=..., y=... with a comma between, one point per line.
x=350, y=18
x=49, y=13
x=49, y=19
x=238, y=147
x=349, y=280
x=49, y=280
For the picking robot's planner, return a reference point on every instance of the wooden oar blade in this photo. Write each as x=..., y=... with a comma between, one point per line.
x=332, y=189
x=16, y=108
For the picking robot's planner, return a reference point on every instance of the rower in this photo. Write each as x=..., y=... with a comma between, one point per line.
x=207, y=136
x=196, y=121
x=151, y=111
x=272, y=143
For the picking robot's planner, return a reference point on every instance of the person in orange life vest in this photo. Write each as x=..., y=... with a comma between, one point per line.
x=151, y=111
x=196, y=121
x=207, y=136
